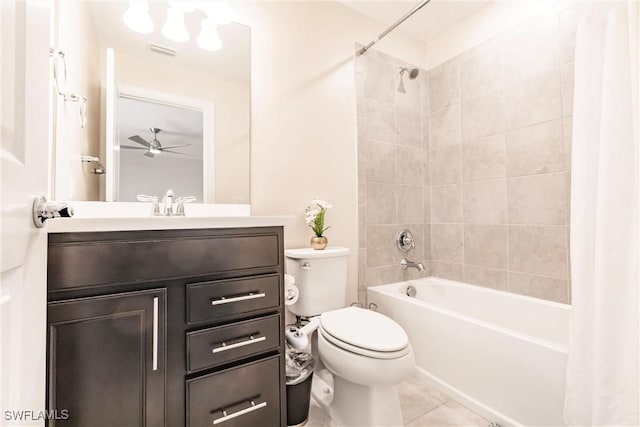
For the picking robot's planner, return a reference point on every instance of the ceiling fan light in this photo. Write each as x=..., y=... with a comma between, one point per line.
x=137, y=17
x=209, y=38
x=174, y=28
x=154, y=150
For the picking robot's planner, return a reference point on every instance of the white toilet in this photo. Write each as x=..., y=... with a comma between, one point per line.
x=363, y=354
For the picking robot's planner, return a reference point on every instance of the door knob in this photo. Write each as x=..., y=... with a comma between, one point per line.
x=43, y=210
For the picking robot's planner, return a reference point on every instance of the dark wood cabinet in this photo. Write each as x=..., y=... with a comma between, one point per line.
x=106, y=359
x=167, y=328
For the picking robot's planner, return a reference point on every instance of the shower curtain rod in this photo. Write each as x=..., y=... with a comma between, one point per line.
x=422, y=4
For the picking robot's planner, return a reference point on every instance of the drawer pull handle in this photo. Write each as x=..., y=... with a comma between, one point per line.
x=225, y=300
x=155, y=334
x=224, y=346
x=253, y=407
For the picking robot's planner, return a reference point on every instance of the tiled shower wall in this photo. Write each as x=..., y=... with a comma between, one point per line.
x=393, y=169
x=494, y=163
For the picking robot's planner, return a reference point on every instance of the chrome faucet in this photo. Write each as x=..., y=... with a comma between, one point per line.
x=167, y=203
x=405, y=263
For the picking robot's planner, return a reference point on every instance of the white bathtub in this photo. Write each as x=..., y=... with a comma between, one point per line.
x=502, y=355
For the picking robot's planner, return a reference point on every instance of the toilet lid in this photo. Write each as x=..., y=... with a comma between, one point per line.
x=365, y=329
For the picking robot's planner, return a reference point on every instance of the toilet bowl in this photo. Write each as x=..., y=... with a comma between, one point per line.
x=362, y=354
x=368, y=354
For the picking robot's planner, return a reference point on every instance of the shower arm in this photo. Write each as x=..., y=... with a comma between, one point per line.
x=422, y=4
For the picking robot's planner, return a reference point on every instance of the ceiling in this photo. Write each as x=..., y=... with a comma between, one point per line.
x=429, y=22
x=232, y=62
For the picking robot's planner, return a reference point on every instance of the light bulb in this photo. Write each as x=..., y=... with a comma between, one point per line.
x=219, y=11
x=174, y=28
x=154, y=150
x=137, y=17
x=209, y=38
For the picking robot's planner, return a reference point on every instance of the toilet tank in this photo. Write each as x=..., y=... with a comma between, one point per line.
x=321, y=278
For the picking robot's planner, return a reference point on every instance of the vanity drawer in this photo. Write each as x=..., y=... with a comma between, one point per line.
x=249, y=395
x=215, y=346
x=216, y=300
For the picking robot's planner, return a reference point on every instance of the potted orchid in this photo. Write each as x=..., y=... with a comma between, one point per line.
x=314, y=217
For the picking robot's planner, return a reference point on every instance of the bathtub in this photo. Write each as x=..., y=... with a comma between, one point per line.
x=500, y=354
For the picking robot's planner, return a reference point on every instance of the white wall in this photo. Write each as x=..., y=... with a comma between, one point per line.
x=489, y=21
x=303, y=129
x=73, y=179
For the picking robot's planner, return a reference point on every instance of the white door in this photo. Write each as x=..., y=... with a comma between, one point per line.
x=24, y=163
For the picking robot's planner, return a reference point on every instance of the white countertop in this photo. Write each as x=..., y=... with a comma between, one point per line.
x=69, y=225
x=118, y=216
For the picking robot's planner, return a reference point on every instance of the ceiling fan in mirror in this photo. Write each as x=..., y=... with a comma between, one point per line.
x=153, y=147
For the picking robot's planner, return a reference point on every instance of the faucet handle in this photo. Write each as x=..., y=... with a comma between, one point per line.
x=180, y=201
x=146, y=198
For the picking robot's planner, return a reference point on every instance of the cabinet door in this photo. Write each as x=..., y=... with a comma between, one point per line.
x=106, y=360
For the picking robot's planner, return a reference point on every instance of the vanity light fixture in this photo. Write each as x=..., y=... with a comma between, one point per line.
x=209, y=38
x=174, y=28
x=137, y=17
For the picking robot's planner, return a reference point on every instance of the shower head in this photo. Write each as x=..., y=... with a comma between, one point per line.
x=413, y=73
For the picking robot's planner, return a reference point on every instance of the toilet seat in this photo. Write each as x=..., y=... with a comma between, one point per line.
x=364, y=332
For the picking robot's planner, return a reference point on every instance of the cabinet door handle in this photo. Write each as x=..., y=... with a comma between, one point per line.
x=254, y=407
x=225, y=300
x=155, y=334
x=224, y=346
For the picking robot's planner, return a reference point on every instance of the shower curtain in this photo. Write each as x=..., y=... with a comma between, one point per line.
x=602, y=371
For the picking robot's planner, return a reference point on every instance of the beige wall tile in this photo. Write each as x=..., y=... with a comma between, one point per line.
x=362, y=142
x=381, y=203
x=486, y=245
x=444, y=87
x=410, y=204
x=444, y=127
x=445, y=166
x=483, y=71
x=534, y=100
x=547, y=288
x=426, y=194
x=426, y=167
x=447, y=270
x=535, y=149
x=409, y=165
x=567, y=135
x=485, y=202
x=426, y=248
x=539, y=250
x=383, y=275
x=408, y=113
x=446, y=204
x=538, y=199
x=484, y=159
x=362, y=183
x=362, y=226
x=362, y=269
x=483, y=116
x=567, y=80
x=446, y=242
x=381, y=246
x=379, y=121
x=381, y=163
x=569, y=21
x=379, y=79
x=532, y=48
x=486, y=277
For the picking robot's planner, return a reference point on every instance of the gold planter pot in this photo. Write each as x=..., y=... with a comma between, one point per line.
x=319, y=243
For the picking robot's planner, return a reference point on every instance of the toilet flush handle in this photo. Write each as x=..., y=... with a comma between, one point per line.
x=306, y=265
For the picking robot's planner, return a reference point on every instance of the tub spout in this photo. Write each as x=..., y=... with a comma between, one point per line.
x=405, y=263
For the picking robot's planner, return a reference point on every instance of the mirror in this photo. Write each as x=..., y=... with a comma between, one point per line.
x=158, y=114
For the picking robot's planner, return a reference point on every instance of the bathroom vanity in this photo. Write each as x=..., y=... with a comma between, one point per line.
x=166, y=327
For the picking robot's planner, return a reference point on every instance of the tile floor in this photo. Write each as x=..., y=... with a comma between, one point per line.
x=422, y=406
